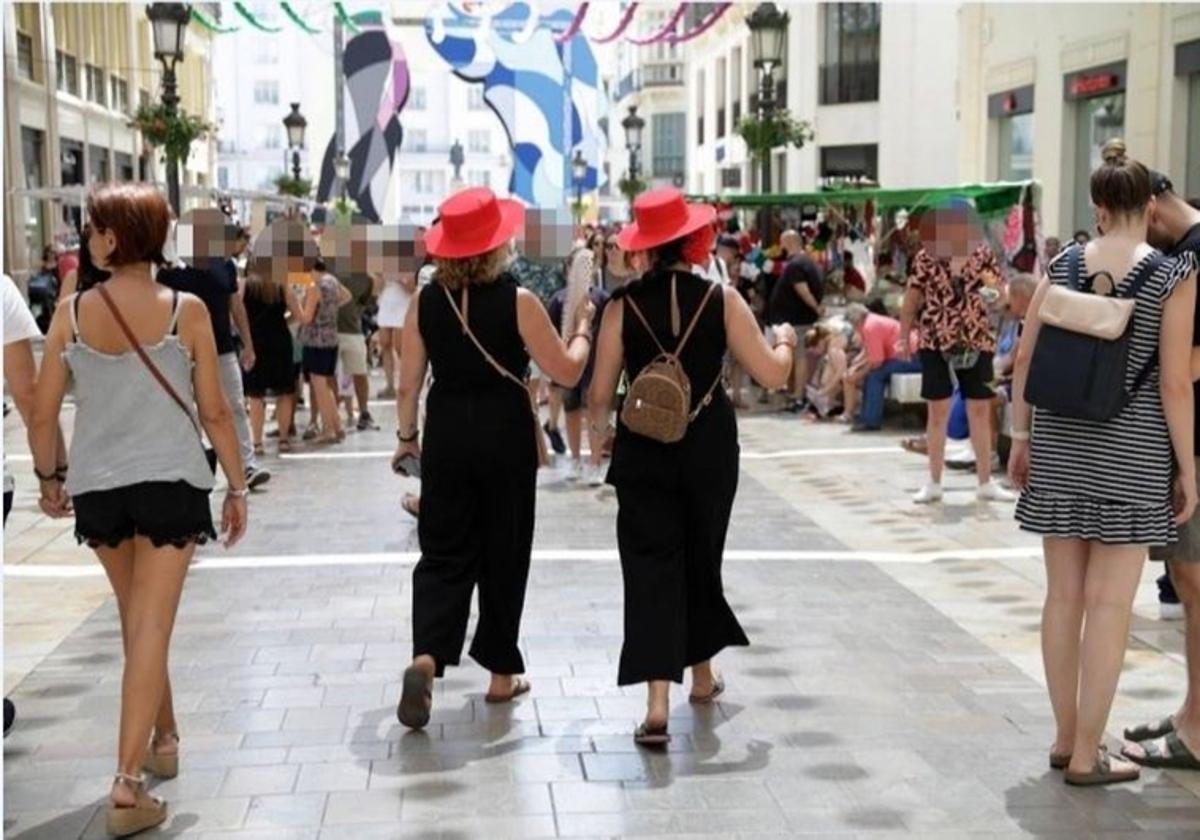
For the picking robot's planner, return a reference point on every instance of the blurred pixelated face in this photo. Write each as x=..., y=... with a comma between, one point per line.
x=283, y=252
x=547, y=234
x=950, y=233
x=205, y=234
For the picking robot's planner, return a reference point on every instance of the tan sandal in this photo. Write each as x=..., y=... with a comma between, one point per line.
x=520, y=686
x=1102, y=773
x=416, y=699
x=162, y=765
x=147, y=812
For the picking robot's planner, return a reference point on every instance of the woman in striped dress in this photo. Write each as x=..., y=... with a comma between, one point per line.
x=1100, y=493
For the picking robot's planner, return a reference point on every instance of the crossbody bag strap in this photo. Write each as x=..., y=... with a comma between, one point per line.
x=462, y=319
x=687, y=333
x=145, y=358
x=1139, y=280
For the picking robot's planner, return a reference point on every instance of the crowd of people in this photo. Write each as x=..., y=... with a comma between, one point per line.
x=646, y=343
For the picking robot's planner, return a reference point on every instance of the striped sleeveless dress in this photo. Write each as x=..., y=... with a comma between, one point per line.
x=1109, y=481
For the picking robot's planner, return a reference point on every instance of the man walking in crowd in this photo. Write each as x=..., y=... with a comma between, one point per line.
x=796, y=300
x=1175, y=741
x=880, y=338
x=352, y=345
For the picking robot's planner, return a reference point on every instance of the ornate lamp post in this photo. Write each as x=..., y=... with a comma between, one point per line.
x=341, y=170
x=633, y=125
x=768, y=33
x=295, y=124
x=579, y=170
x=168, y=23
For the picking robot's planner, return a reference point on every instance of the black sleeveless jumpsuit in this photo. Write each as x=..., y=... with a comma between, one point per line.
x=478, y=484
x=675, y=499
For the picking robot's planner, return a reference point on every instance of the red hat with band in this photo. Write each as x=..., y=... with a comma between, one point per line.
x=473, y=222
x=661, y=216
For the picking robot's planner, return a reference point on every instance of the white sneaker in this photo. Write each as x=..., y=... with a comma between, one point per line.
x=576, y=472
x=928, y=494
x=993, y=492
x=595, y=475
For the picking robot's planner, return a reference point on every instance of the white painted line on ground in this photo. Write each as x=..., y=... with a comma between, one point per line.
x=26, y=457
x=608, y=555
x=333, y=456
x=748, y=456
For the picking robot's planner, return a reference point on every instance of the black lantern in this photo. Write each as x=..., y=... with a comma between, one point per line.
x=295, y=125
x=633, y=125
x=169, y=23
x=768, y=29
x=457, y=159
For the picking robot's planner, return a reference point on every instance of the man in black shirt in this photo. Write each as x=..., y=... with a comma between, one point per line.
x=796, y=300
x=1175, y=741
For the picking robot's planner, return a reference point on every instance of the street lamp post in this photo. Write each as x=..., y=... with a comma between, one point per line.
x=768, y=32
x=633, y=125
x=168, y=23
x=457, y=158
x=295, y=124
x=341, y=169
x=579, y=170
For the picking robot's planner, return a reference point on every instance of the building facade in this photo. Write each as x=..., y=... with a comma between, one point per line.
x=1042, y=87
x=74, y=75
x=875, y=81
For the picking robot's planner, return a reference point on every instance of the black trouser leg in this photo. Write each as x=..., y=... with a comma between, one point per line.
x=650, y=537
x=507, y=518
x=444, y=578
x=711, y=625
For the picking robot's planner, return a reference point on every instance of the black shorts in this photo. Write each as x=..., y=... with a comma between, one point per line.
x=320, y=361
x=572, y=398
x=165, y=512
x=937, y=384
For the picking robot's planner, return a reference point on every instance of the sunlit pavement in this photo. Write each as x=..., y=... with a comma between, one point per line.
x=894, y=685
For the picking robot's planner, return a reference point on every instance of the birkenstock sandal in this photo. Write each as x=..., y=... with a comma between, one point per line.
x=1168, y=752
x=705, y=699
x=520, y=686
x=416, y=698
x=146, y=812
x=1060, y=761
x=1102, y=773
x=1150, y=731
x=645, y=736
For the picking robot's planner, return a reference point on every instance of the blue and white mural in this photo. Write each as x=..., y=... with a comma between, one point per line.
x=547, y=95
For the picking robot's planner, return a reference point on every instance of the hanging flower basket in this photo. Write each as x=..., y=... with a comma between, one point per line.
x=297, y=187
x=777, y=129
x=631, y=188
x=173, y=133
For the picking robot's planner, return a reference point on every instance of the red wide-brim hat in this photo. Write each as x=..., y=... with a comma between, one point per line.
x=473, y=222
x=661, y=216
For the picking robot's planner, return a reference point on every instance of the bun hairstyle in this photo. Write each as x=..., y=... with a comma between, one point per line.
x=1121, y=184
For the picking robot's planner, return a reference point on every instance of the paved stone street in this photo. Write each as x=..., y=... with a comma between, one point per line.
x=893, y=687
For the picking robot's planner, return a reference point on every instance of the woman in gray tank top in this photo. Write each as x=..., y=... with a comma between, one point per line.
x=139, y=478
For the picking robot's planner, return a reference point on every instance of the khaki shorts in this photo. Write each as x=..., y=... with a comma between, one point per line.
x=1187, y=549
x=352, y=352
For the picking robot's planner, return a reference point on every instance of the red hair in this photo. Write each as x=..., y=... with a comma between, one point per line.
x=138, y=216
x=697, y=247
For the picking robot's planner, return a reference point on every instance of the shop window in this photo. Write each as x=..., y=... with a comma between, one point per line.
x=1098, y=120
x=1016, y=148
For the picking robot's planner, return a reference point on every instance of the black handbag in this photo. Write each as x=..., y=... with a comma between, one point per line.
x=1082, y=352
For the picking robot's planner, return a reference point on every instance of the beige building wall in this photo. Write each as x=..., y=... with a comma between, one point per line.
x=1006, y=47
x=115, y=39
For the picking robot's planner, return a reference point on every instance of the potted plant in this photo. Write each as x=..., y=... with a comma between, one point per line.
x=776, y=129
x=174, y=133
x=289, y=185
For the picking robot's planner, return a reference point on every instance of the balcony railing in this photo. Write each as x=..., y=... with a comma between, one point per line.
x=660, y=74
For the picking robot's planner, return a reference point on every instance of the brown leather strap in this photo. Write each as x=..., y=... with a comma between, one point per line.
x=141, y=353
x=687, y=334
x=462, y=319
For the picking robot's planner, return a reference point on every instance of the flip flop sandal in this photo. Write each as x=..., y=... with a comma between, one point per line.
x=1102, y=773
x=147, y=812
x=1168, y=753
x=704, y=700
x=285, y=445
x=1150, y=731
x=411, y=505
x=1060, y=761
x=520, y=686
x=416, y=699
x=644, y=736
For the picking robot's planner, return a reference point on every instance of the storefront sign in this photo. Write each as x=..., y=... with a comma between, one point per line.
x=1097, y=81
x=1010, y=103
x=1187, y=58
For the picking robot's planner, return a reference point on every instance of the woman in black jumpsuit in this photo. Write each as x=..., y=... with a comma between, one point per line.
x=675, y=499
x=479, y=460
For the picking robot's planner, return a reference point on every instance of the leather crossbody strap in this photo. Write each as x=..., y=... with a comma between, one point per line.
x=462, y=319
x=141, y=354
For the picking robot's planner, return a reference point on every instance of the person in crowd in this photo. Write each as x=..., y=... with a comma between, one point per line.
x=352, y=345
x=1081, y=237
x=824, y=392
x=477, y=329
x=1050, y=250
x=881, y=359
x=573, y=400
x=212, y=277
x=1100, y=492
x=43, y=289
x=674, y=499
x=20, y=380
x=269, y=299
x=319, y=338
x=139, y=479
x=729, y=254
x=618, y=270
x=796, y=300
x=396, y=290
x=949, y=273
x=854, y=284
x=1174, y=227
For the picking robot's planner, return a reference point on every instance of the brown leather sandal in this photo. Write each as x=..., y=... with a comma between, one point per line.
x=520, y=686
x=707, y=699
x=416, y=698
x=1060, y=761
x=1102, y=773
x=146, y=812
x=162, y=765
x=645, y=736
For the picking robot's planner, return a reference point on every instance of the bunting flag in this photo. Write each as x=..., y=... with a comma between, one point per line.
x=346, y=20
x=621, y=26
x=296, y=19
x=210, y=25
x=249, y=17
x=668, y=29
x=705, y=25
